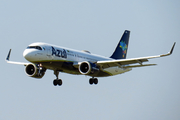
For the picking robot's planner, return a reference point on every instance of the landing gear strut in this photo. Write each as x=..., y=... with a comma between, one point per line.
x=57, y=81
x=93, y=80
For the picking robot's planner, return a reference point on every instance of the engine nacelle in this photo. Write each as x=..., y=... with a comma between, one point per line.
x=35, y=71
x=87, y=68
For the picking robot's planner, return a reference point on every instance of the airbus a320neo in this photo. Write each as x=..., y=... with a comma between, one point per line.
x=43, y=56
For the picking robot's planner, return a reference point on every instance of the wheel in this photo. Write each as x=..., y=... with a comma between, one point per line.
x=95, y=81
x=59, y=82
x=91, y=81
x=55, y=82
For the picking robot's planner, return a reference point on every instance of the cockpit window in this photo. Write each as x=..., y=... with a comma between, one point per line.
x=35, y=47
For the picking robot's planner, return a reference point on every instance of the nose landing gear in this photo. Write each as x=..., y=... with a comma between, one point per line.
x=57, y=81
x=93, y=80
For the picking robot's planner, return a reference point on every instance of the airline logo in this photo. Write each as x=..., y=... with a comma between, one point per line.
x=123, y=46
x=59, y=53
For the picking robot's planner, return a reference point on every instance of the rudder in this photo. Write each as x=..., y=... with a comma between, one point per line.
x=121, y=49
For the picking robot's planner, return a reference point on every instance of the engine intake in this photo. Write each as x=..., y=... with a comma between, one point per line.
x=35, y=71
x=87, y=68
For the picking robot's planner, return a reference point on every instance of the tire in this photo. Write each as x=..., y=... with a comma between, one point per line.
x=95, y=81
x=55, y=82
x=59, y=82
x=91, y=81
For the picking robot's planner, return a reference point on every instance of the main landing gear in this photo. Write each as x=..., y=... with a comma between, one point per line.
x=93, y=80
x=57, y=81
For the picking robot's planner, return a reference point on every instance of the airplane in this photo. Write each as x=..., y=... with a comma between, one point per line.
x=43, y=56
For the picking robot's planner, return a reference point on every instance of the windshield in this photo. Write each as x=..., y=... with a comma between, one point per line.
x=35, y=47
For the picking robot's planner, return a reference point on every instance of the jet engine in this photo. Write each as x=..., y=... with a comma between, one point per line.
x=87, y=68
x=35, y=71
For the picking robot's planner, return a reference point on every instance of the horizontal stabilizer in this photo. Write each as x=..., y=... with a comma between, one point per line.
x=133, y=66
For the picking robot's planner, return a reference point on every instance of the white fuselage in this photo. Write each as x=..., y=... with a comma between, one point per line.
x=47, y=54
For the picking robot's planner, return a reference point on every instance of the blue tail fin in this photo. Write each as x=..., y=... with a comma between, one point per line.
x=121, y=49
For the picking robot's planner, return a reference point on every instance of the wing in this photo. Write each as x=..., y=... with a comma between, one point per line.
x=127, y=63
x=12, y=62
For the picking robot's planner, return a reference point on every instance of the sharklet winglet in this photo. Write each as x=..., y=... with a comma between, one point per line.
x=8, y=56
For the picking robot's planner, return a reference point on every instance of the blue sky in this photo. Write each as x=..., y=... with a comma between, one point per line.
x=143, y=93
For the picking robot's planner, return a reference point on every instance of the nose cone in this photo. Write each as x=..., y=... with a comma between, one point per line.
x=28, y=54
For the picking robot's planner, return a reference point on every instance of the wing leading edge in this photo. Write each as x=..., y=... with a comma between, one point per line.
x=126, y=63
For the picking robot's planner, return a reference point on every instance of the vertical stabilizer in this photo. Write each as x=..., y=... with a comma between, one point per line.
x=121, y=49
